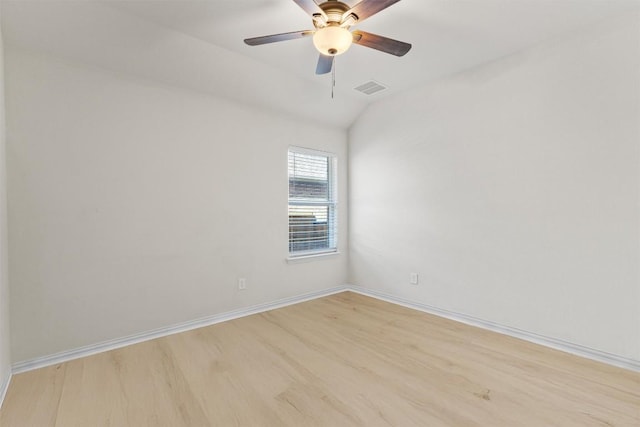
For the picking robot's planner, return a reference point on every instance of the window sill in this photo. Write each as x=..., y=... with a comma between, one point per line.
x=311, y=257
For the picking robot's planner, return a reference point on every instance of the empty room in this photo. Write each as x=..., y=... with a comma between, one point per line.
x=319, y=213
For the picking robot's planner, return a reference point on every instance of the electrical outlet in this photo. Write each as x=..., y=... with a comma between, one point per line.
x=242, y=284
x=413, y=278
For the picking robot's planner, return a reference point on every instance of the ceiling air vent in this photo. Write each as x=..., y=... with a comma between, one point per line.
x=371, y=87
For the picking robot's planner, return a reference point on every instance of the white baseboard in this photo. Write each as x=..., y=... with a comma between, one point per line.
x=4, y=386
x=89, y=350
x=555, y=343
x=76, y=353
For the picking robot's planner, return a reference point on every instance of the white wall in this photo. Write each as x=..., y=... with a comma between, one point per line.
x=135, y=206
x=5, y=356
x=513, y=190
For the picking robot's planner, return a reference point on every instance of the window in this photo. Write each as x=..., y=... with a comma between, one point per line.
x=312, y=202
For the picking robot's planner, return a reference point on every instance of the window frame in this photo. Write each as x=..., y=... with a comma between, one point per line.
x=331, y=203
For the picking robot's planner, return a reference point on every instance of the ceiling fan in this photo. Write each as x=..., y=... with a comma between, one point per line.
x=331, y=36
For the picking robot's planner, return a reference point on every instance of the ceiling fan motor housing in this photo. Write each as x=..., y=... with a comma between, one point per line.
x=334, y=11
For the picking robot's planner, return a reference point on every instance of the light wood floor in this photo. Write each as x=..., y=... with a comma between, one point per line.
x=343, y=360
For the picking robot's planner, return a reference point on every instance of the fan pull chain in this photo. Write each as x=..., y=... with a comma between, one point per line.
x=333, y=76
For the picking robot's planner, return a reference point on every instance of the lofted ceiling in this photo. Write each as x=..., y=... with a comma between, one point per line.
x=198, y=44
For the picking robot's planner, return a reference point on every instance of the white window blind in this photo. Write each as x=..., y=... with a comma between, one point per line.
x=312, y=202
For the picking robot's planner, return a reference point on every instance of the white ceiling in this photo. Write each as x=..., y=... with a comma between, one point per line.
x=198, y=44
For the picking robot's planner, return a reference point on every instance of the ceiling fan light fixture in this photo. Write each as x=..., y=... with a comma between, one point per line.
x=332, y=40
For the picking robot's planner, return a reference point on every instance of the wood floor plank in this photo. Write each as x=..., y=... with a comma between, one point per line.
x=33, y=397
x=343, y=360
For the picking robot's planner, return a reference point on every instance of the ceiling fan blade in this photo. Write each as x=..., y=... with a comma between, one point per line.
x=310, y=7
x=367, y=8
x=255, y=41
x=383, y=44
x=325, y=64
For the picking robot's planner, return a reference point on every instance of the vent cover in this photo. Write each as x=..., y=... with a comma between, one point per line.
x=371, y=87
